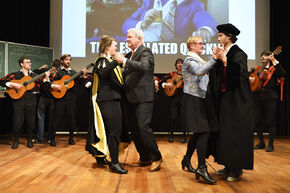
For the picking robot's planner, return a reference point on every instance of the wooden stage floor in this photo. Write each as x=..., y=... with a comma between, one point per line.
x=70, y=169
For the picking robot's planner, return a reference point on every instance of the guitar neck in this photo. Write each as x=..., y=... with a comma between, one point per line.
x=276, y=51
x=179, y=79
x=264, y=65
x=35, y=78
x=74, y=76
x=79, y=73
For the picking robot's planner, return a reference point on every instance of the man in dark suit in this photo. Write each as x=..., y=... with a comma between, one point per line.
x=140, y=93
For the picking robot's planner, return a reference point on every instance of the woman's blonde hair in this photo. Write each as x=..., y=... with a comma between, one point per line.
x=105, y=42
x=192, y=39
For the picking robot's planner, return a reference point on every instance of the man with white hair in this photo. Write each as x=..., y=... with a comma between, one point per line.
x=140, y=93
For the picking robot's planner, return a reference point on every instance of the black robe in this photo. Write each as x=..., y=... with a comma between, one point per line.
x=234, y=107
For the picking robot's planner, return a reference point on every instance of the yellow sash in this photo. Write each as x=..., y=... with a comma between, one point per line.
x=118, y=73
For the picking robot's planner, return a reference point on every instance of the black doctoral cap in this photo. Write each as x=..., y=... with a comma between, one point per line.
x=227, y=29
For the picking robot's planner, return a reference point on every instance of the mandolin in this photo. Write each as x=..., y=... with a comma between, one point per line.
x=176, y=81
x=66, y=83
x=28, y=84
x=259, y=71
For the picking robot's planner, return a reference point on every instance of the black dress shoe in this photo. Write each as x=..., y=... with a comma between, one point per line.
x=15, y=144
x=270, y=148
x=102, y=161
x=234, y=176
x=260, y=146
x=52, y=142
x=183, y=139
x=202, y=172
x=29, y=144
x=185, y=163
x=117, y=168
x=170, y=139
x=38, y=141
x=71, y=141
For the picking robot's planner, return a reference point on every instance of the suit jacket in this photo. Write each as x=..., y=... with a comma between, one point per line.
x=190, y=16
x=139, y=76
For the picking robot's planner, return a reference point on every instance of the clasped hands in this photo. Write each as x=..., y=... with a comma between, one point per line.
x=219, y=53
x=120, y=58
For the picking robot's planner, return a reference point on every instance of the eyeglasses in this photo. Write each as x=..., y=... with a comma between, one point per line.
x=200, y=43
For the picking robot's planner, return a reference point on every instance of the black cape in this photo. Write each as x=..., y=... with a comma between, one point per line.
x=234, y=147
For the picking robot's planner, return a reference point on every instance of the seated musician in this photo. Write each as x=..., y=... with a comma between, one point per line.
x=65, y=107
x=24, y=108
x=176, y=100
x=267, y=99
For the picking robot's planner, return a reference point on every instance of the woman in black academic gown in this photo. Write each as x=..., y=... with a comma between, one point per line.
x=105, y=132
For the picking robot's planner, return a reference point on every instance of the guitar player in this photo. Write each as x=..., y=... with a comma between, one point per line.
x=46, y=101
x=65, y=107
x=24, y=108
x=266, y=100
x=176, y=100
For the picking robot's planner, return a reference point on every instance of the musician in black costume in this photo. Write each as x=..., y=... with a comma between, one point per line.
x=46, y=101
x=24, y=108
x=106, y=120
x=65, y=107
x=267, y=99
x=176, y=102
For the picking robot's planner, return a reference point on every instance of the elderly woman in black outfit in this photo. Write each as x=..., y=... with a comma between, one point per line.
x=199, y=113
x=106, y=93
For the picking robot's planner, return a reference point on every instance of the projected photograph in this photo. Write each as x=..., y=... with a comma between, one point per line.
x=166, y=24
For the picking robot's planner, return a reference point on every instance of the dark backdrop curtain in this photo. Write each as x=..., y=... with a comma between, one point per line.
x=280, y=35
x=25, y=21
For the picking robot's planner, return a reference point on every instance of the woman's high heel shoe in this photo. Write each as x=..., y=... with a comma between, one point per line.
x=185, y=163
x=202, y=171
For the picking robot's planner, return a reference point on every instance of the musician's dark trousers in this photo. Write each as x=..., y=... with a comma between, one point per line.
x=24, y=111
x=65, y=115
x=45, y=107
x=266, y=118
x=112, y=117
x=175, y=113
x=140, y=115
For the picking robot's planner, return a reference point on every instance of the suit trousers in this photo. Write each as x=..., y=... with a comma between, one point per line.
x=23, y=113
x=140, y=115
x=45, y=107
x=175, y=113
x=65, y=115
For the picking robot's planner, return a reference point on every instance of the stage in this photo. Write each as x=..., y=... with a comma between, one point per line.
x=69, y=168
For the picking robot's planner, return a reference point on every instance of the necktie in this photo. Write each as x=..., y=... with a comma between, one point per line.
x=132, y=55
x=167, y=31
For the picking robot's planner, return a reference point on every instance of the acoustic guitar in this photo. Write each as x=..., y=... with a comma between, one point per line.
x=176, y=81
x=28, y=84
x=66, y=82
x=258, y=74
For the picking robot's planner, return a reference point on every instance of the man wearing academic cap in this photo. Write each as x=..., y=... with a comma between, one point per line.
x=233, y=99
